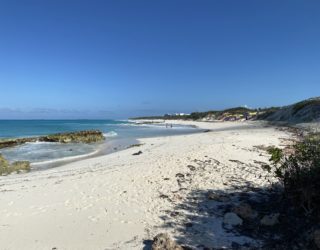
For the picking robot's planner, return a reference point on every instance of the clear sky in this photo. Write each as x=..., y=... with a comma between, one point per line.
x=116, y=58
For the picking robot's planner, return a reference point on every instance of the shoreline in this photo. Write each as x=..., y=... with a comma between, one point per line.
x=119, y=201
x=104, y=149
x=110, y=145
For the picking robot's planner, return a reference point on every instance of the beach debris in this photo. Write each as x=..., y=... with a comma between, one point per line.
x=138, y=153
x=270, y=219
x=192, y=168
x=245, y=211
x=237, y=161
x=232, y=219
x=217, y=197
x=163, y=241
x=316, y=237
x=164, y=196
x=179, y=175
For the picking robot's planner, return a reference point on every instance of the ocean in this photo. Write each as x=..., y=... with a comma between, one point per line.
x=42, y=155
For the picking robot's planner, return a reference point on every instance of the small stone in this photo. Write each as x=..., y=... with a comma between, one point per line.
x=164, y=242
x=232, y=219
x=316, y=237
x=270, y=220
x=192, y=168
x=245, y=211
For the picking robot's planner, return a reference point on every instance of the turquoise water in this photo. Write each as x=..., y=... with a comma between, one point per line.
x=119, y=135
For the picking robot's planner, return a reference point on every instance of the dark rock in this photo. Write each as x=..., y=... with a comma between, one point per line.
x=138, y=153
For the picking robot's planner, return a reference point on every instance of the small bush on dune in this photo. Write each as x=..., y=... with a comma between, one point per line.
x=299, y=173
x=18, y=166
x=4, y=165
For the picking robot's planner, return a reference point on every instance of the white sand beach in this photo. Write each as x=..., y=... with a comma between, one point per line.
x=121, y=200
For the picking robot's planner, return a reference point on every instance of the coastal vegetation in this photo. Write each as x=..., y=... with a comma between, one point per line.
x=300, y=112
x=236, y=113
x=87, y=136
x=18, y=166
x=303, y=104
x=304, y=111
x=299, y=173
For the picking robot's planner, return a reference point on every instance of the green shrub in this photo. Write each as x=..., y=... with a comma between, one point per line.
x=4, y=165
x=18, y=166
x=299, y=173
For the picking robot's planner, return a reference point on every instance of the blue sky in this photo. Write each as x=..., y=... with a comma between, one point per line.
x=115, y=58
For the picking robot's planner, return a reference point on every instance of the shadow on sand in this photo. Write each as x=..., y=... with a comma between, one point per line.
x=197, y=222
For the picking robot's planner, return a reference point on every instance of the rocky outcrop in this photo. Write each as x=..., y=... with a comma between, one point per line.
x=18, y=166
x=6, y=143
x=88, y=136
x=164, y=242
